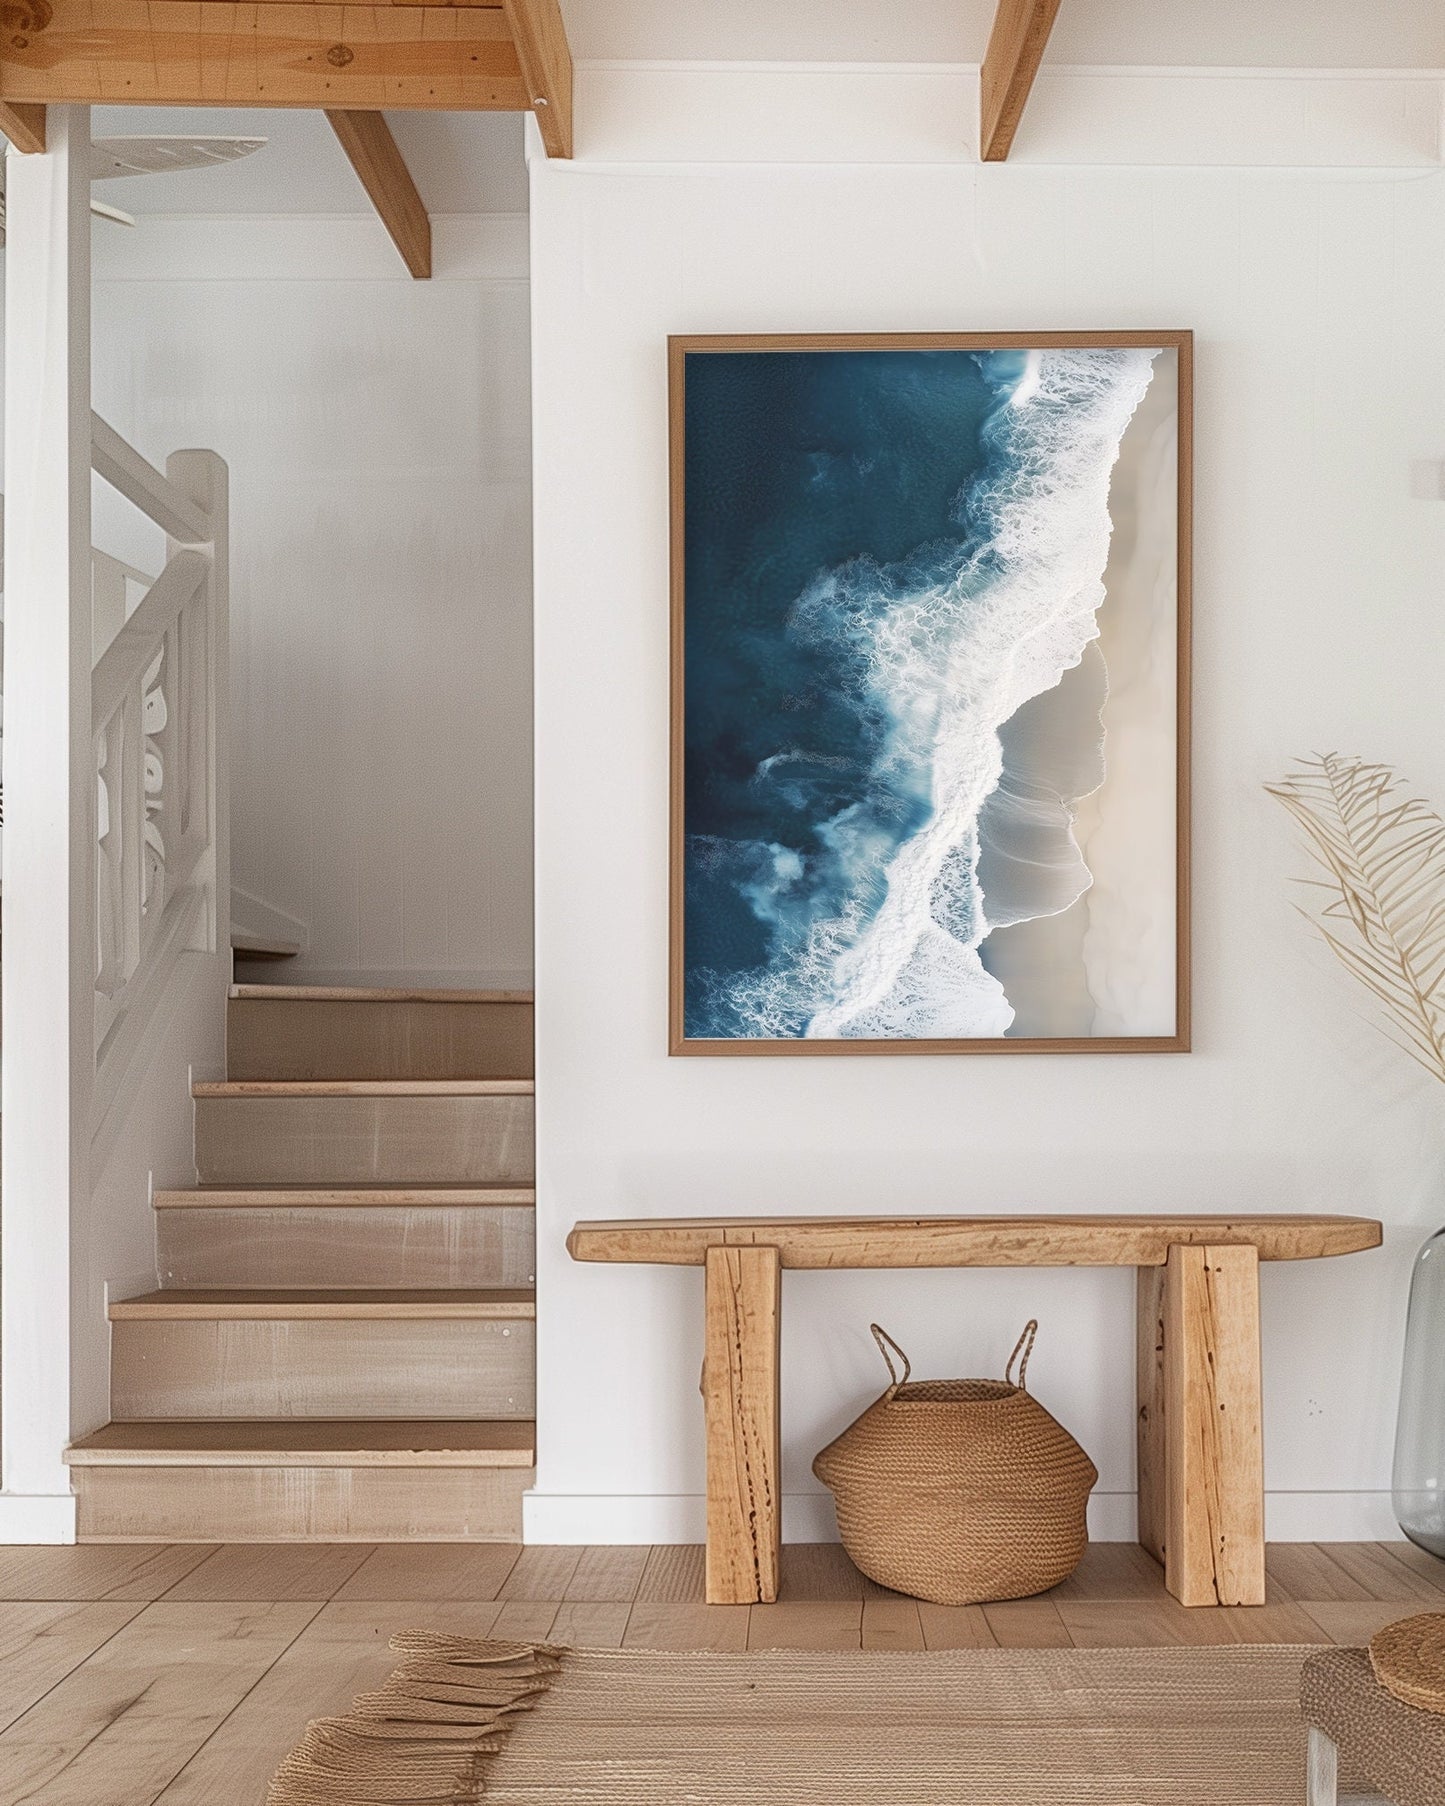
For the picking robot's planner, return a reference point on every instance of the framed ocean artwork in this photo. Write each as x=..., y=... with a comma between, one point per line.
x=930, y=693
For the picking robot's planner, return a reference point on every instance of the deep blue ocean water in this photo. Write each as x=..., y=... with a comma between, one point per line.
x=799, y=464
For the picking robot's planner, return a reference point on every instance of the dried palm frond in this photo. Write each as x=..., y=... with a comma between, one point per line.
x=1382, y=852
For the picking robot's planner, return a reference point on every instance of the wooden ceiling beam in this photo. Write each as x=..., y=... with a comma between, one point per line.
x=1015, y=49
x=109, y=52
x=505, y=56
x=366, y=138
x=546, y=61
x=24, y=126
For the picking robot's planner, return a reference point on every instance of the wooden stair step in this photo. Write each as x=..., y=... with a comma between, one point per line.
x=309, y=1442
x=346, y=1197
x=362, y=1358
x=330, y=1032
x=372, y=994
x=329, y=1133
x=294, y=1305
x=408, y=1238
x=278, y=1480
x=302, y=1088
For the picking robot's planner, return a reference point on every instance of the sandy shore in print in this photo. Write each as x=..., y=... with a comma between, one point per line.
x=1105, y=965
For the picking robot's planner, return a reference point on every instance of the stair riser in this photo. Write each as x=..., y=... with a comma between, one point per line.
x=340, y=1140
x=346, y=1368
x=305, y=1504
x=316, y=1038
x=464, y=1246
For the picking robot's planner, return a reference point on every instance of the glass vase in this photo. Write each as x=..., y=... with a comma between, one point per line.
x=1419, y=1477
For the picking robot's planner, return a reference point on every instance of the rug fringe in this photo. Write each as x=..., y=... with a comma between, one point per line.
x=425, y=1736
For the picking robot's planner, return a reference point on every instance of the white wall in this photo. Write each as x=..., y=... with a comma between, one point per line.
x=1303, y=33
x=462, y=163
x=1321, y=383
x=376, y=430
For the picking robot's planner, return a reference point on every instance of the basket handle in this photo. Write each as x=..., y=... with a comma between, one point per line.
x=885, y=1342
x=1024, y=1345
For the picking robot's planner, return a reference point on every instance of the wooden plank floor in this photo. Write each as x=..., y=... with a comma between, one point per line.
x=131, y=1675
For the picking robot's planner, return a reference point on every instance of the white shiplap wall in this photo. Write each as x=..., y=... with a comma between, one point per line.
x=1314, y=295
x=378, y=437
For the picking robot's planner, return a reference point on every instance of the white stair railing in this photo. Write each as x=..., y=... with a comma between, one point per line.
x=116, y=591
x=157, y=705
x=115, y=981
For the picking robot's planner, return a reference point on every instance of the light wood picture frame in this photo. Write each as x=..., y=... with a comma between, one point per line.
x=923, y=586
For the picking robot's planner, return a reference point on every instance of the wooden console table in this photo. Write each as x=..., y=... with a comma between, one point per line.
x=1201, y=1457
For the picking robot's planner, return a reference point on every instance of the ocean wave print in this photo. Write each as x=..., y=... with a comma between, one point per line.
x=857, y=908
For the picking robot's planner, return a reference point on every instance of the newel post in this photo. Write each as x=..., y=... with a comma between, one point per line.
x=203, y=478
x=48, y=1025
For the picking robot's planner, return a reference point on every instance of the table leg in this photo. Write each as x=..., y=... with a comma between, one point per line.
x=1149, y=1398
x=740, y=1397
x=1201, y=1459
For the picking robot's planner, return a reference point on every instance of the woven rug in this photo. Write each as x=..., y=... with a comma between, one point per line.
x=1109, y=1727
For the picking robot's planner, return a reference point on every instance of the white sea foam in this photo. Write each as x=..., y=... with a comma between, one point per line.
x=949, y=662
x=782, y=870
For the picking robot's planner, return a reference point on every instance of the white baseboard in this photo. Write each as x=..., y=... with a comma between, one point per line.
x=1330, y=1517
x=572, y=1518
x=37, y=1517
x=1113, y=1517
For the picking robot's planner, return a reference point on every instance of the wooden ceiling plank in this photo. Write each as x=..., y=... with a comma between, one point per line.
x=546, y=61
x=24, y=126
x=1015, y=49
x=168, y=52
x=372, y=152
x=489, y=6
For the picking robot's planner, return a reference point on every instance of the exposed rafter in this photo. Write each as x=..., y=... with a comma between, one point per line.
x=366, y=138
x=24, y=126
x=458, y=58
x=541, y=41
x=1015, y=48
x=462, y=56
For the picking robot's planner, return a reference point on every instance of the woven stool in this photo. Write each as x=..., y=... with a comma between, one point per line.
x=1354, y=1723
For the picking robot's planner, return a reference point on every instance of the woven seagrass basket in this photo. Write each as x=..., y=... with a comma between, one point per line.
x=960, y=1490
x=1409, y=1660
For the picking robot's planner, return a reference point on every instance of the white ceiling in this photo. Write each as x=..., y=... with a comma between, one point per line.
x=461, y=162
x=472, y=163
x=1269, y=33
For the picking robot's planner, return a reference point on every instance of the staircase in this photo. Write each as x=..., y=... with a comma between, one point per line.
x=342, y=1344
